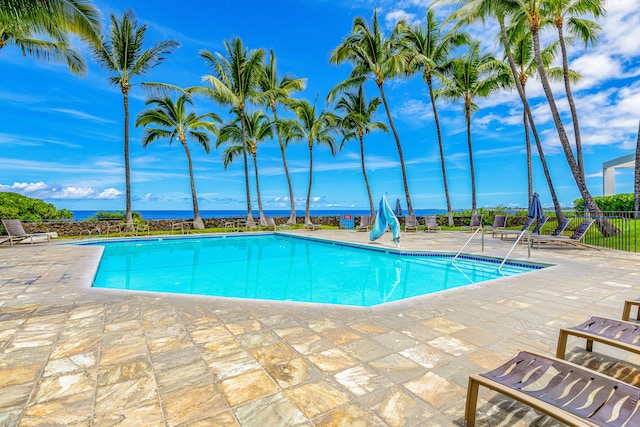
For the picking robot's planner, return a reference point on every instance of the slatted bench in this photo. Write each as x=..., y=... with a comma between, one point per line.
x=563, y=390
x=616, y=333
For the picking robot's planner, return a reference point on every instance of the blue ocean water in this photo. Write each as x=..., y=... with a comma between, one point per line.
x=188, y=214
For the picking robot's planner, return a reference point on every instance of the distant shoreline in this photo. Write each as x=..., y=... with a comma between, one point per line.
x=80, y=215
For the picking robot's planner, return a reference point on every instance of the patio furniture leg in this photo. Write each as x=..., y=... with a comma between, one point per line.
x=472, y=402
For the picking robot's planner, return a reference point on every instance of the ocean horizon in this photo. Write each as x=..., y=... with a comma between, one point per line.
x=81, y=215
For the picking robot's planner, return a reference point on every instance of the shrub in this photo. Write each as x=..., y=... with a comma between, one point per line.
x=17, y=206
x=617, y=202
x=110, y=215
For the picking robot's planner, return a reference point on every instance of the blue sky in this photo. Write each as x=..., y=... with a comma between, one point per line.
x=61, y=135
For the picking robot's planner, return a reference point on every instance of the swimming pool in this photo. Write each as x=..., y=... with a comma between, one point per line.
x=286, y=268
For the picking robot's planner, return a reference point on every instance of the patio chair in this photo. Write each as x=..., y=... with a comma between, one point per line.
x=570, y=393
x=474, y=224
x=626, y=312
x=410, y=223
x=16, y=232
x=574, y=239
x=311, y=226
x=616, y=333
x=431, y=223
x=499, y=223
x=527, y=225
x=365, y=223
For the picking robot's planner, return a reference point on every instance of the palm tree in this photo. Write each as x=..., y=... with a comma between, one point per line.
x=475, y=75
x=274, y=91
x=566, y=13
x=41, y=29
x=123, y=54
x=482, y=9
x=258, y=128
x=379, y=58
x=316, y=128
x=524, y=59
x=531, y=16
x=356, y=122
x=173, y=121
x=428, y=50
x=233, y=84
x=527, y=14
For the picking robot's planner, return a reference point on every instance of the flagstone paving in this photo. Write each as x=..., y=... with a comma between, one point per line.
x=76, y=356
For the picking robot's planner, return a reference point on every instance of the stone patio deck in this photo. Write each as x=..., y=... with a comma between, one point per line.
x=76, y=356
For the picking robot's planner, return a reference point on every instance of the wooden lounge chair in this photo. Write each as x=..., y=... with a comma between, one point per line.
x=474, y=224
x=570, y=393
x=16, y=232
x=626, y=312
x=527, y=225
x=410, y=223
x=431, y=223
x=613, y=332
x=365, y=223
x=499, y=223
x=574, y=239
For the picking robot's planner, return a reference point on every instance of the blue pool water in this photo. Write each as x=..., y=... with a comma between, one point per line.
x=285, y=268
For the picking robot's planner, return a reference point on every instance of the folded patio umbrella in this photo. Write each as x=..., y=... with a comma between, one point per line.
x=398, y=209
x=385, y=218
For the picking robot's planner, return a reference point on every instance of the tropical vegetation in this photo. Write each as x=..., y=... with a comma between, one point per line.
x=248, y=83
x=123, y=54
x=17, y=206
x=171, y=120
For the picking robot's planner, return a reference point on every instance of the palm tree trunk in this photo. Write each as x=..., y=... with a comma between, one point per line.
x=440, y=147
x=198, y=224
x=366, y=180
x=527, y=141
x=605, y=227
x=307, y=214
x=636, y=181
x=263, y=220
x=292, y=216
x=395, y=134
x=572, y=105
x=527, y=110
x=128, y=219
x=250, y=221
x=467, y=113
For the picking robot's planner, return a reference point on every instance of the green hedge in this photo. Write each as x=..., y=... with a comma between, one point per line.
x=106, y=215
x=17, y=206
x=618, y=202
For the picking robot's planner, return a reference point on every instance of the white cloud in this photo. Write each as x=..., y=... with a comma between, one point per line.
x=42, y=190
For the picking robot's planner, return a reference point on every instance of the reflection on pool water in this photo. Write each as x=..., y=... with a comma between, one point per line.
x=286, y=268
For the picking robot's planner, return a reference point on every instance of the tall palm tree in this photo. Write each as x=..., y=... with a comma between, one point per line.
x=530, y=14
x=522, y=48
x=171, y=120
x=123, y=54
x=429, y=50
x=356, y=122
x=316, y=127
x=373, y=56
x=274, y=91
x=41, y=29
x=258, y=129
x=475, y=75
x=473, y=10
x=234, y=83
x=567, y=13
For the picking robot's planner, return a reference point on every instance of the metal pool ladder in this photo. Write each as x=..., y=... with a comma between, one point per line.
x=514, y=246
x=481, y=229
